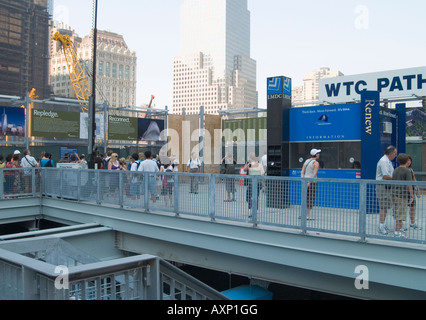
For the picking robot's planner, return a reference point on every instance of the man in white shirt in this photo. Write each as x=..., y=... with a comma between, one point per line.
x=148, y=165
x=384, y=172
x=28, y=162
x=194, y=165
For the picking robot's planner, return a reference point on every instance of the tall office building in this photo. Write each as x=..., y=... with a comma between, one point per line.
x=116, y=67
x=214, y=68
x=24, y=47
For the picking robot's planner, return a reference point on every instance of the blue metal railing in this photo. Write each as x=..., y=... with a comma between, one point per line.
x=341, y=207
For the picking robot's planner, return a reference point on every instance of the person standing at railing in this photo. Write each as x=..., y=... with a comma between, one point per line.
x=135, y=185
x=310, y=170
x=194, y=166
x=385, y=172
x=9, y=175
x=402, y=194
x=17, y=183
x=253, y=168
x=46, y=161
x=413, y=206
x=230, y=164
x=28, y=162
x=150, y=166
x=114, y=165
x=168, y=183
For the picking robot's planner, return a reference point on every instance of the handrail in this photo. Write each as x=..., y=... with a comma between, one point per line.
x=342, y=207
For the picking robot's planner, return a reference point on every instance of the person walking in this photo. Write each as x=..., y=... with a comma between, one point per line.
x=402, y=194
x=194, y=165
x=310, y=170
x=385, y=172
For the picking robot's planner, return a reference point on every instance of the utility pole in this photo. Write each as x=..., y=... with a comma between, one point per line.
x=92, y=100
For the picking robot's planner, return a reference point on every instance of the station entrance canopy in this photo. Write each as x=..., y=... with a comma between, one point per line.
x=404, y=84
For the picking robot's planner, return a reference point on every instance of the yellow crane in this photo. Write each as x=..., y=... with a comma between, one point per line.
x=78, y=77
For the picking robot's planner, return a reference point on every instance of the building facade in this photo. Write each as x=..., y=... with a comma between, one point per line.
x=308, y=93
x=214, y=68
x=116, y=67
x=24, y=47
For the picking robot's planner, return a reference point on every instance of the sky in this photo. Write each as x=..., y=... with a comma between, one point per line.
x=288, y=38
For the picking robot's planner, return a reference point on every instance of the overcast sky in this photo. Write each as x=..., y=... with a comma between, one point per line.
x=289, y=38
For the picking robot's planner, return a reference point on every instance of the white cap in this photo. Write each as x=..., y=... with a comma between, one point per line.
x=314, y=152
x=17, y=152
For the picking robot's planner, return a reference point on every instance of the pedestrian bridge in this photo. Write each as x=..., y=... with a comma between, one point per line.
x=339, y=252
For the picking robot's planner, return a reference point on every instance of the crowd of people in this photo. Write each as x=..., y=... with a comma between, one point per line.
x=398, y=197
x=393, y=197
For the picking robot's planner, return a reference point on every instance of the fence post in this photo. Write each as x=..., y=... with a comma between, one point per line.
x=176, y=195
x=61, y=181
x=254, y=200
x=33, y=182
x=212, y=197
x=98, y=186
x=79, y=185
x=120, y=188
x=362, y=211
x=1, y=184
x=304, y=205
x=146, y=190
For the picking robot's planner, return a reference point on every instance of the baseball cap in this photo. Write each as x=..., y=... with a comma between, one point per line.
x=314, y=152
x=17, y=152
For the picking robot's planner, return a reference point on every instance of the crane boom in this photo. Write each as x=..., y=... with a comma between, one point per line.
x=76, y=72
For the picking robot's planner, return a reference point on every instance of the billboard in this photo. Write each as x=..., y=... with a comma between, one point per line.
x=12, y=122
x=325, y=123
x=122, y=128
x=390, y=84
x=55, y=124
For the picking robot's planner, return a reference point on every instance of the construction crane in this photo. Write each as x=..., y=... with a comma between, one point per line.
x=78, y=77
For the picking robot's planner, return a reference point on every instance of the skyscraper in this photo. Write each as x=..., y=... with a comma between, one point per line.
x=214, y=68
x=24, y=47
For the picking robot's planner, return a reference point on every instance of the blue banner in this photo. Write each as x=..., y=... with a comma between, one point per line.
x=325, y=123
x=370, y=133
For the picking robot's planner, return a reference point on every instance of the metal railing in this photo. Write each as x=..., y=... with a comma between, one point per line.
x=340, y=207
x=141, y=277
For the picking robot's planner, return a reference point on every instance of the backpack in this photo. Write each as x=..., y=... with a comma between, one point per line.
x=229, y=169
x=105, y=163
x=48, y=164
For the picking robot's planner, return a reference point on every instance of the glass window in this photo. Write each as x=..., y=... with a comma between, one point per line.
x=335, y=155
x=101, y=68
x=127, y=73
x=108, y=69
x=121, y=72
x=114, y=70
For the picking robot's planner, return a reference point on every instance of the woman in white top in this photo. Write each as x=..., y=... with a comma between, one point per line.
x=253, y=168
x=310, y=170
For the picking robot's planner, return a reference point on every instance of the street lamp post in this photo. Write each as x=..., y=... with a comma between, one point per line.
x=92, y=100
